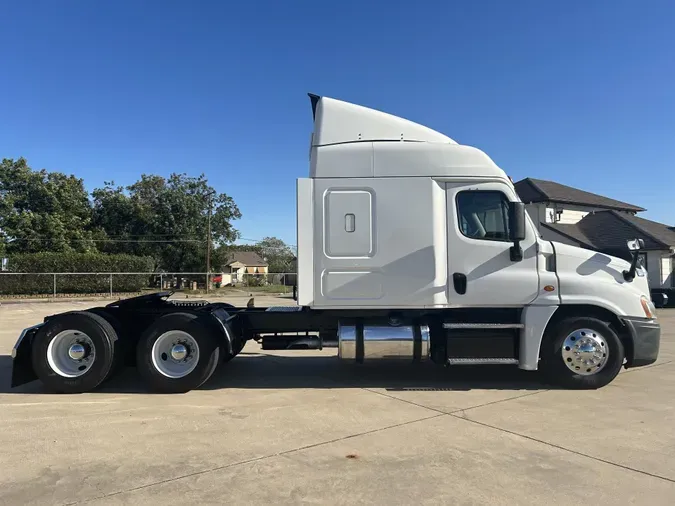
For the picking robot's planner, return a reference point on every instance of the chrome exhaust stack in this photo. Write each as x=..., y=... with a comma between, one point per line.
x=361, y=342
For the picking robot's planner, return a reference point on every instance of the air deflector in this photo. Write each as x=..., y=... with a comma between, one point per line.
x=315, y=100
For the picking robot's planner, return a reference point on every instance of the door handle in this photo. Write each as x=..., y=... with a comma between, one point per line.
x=459, y=281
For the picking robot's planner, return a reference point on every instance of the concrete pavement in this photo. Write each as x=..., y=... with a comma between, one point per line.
x=300, y=427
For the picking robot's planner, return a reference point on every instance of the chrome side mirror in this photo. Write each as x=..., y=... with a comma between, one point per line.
x=635, y=244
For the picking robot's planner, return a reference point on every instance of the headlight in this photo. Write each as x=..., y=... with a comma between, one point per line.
x=648, y=307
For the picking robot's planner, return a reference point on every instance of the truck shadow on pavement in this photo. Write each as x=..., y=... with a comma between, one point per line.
x=258, y=371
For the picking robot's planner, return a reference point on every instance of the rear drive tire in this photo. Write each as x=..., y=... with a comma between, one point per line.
x=120, y=345
x=74, y=352
x=581, y=353
x=177, y=353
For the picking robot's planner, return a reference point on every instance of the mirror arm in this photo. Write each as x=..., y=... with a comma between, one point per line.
x=629, y=275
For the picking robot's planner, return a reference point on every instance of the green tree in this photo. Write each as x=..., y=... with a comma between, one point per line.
x=42, y=211
x=165, y=218
x=277, y=254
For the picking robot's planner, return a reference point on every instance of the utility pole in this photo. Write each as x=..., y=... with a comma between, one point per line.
x=208, y=245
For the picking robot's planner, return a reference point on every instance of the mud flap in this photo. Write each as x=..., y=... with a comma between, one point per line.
x=22, y=365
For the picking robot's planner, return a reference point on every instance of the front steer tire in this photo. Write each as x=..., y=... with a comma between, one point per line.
x=557, y=372
x=207, y=361
x=103, y=338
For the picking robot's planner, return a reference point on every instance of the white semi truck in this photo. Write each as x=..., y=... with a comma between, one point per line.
x=410, y=247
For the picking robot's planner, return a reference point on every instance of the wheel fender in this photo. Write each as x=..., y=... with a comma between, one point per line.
x=535, y=320
x=221, y=319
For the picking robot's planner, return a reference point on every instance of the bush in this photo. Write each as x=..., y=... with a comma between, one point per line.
x=29, y=284
x=254, y=280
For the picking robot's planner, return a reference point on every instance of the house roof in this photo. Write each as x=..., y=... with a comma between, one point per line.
x=573, y=232
x=248, y=258
x=658, y=231
x=539, y=190
x=609, y=230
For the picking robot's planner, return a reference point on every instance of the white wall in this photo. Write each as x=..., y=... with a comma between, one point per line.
x=660, y=269
x=538, y=214
x=548, y=213
x=571, y=216
x=666, y=272
x=568, y=213
x=543, y=213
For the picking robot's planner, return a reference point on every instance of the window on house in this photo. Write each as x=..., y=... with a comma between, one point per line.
x=483, y=215
x=667, y=272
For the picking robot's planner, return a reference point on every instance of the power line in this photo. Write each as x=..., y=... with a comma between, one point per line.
x=105, y=240
x=261, y=240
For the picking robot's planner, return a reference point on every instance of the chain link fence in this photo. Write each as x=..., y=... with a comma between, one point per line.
x=64, y=284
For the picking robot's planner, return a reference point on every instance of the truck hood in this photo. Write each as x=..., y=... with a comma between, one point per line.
x=589, y=277
x=592, y=260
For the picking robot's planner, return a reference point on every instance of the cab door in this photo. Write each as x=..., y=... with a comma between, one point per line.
x=482, y=268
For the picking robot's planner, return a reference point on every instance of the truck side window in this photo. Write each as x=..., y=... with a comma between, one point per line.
x=483, y=215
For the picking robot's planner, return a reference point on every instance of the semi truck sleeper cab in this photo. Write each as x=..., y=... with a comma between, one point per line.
x=411, y=247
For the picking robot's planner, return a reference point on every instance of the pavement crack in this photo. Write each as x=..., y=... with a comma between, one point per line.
x=456, y=410
x=383, y=394
x=256, y=459
x=569, y=450
x=498, y=401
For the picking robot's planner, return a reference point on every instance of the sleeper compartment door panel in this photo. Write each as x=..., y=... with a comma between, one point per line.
x=348, y=240
x=348, y=223
x=374, y=242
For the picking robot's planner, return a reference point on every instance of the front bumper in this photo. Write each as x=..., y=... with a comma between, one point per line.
x=22, y=363
x=646, y=338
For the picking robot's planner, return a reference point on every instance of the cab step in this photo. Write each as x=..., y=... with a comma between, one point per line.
x=487, y=326
x=482, y=361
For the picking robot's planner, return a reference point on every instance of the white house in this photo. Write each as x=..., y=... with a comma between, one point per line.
x=584, y=219
x=241, y=263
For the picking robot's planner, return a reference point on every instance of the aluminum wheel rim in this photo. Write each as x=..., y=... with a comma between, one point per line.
x=71, y=353
x=175, y=354
x=585, y=352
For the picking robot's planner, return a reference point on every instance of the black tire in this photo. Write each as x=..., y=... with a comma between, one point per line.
x=558, y=373
x=120, y=344
x=103, y=337
x=209, y=353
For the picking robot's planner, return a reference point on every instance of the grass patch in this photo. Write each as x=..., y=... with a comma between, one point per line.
x=268, y=289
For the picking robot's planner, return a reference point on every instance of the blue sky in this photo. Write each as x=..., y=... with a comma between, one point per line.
x=578, y=92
